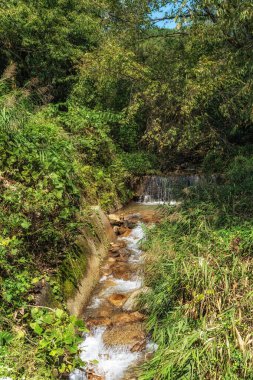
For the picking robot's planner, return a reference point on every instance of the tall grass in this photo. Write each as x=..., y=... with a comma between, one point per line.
x=200, y=268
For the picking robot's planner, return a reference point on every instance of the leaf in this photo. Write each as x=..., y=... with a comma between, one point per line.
x=35, y=280
x=48, y=319
x=56, y=352
x=59, y=313
x=36, y=328
x=25, y=224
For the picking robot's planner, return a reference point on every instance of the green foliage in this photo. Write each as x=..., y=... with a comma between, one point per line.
x=58, y=342
x=134, y=98
x=200, y=270
x=49, y=172
x=50, y=338
x=140, y=163
x=48, y=40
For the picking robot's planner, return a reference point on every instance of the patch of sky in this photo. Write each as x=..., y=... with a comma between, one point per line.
x=163, y=12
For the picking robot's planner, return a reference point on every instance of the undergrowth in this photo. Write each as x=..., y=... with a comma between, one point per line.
x=200, y=270
x=53, y=165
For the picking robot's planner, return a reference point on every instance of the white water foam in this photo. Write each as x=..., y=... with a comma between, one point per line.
x=120, y=287
x=110, y=362
x=149, y=202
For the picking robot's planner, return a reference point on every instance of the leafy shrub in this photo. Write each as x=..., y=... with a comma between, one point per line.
x=139, y=163
x=46, y=345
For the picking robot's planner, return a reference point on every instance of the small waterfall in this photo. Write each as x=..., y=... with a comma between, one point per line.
x=159, y=190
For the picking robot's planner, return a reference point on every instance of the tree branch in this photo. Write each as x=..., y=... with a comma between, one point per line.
x=167, y=35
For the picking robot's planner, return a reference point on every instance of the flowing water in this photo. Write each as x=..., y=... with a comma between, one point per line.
x=160, y=190
x=117, y=343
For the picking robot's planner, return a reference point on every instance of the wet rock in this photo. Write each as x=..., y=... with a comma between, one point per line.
x=106, y=272
x=123, y=318
x=117, y=300
x=125, y=232
x=132, y=303
x=122, y=259
x=116, y=230
x=131, y=220
x=109, y=283
x=98, y=322
x=125, y=252
x=122, y=252
x=111, y=260
x=149, y=355
x=116, y=247
x=133, y=217
x=103, y=313
x=122, y=230
x=115, y=220
x=131, y=334
x=92, y=376
x=121, y=270
x=139, y=346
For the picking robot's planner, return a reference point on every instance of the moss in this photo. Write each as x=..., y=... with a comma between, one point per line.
x=68, y=289
x=71, y=271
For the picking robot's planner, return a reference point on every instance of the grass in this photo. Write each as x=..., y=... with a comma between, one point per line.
x=200, y=269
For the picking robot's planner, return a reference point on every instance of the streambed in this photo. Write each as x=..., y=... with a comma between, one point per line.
x=117, y=342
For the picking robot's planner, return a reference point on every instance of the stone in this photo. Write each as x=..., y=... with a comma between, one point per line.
x=108, y=283
x=90, y=374
x=117, y=300
x=124, y=231
x=123, y=318
x=121, y=259
x=116, y=247
x=127, y=232
x=116, y=230
x=133, y=217
x=139, y=346
x=98, y=322
x=132, y=302
x=122, y=252
x=129, y=334
x=149, y=355
x=121, y=269
x=106, y=272
x=111, y=260
x=115, y=220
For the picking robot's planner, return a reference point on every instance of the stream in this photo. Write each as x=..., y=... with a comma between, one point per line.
x=117, y=343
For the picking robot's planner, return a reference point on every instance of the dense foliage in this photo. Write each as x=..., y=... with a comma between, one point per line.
x=93, y=92
x=200, y=269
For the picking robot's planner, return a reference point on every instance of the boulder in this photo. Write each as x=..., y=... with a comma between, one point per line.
x=121, y=269
x=117, y=300
x=123, y=318
x=98, y=322
x=124, y=231
x=90, y=375
x=115, y=220
x=129, y=334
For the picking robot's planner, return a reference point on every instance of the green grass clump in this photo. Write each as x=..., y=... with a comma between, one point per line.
x=200, y=268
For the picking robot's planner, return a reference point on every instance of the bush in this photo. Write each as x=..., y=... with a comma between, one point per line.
x=140, y=163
